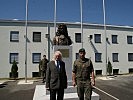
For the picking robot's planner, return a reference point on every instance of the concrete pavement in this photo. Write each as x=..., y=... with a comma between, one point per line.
x=117, y=88
x=40, y=93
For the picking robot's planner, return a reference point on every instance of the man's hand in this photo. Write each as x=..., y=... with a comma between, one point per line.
x=74, y=83
x=73, y=79
x=93, y=82
x=93, y=79
x=47, y=89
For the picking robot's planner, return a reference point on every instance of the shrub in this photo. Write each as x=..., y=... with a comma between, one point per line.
x=14, y=70
x=109, y=68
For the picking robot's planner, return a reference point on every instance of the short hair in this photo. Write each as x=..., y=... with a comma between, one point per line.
x=44, y=55
x=57, y=53
x=82, y=50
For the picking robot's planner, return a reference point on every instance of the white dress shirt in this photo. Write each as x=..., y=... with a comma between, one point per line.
x=56, y=63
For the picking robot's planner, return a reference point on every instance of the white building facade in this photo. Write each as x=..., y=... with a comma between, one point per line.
x=118, y=50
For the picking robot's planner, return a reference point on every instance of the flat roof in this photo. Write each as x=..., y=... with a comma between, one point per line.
x=70, y=23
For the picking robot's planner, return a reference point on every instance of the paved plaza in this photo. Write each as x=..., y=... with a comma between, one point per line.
x=108, y=88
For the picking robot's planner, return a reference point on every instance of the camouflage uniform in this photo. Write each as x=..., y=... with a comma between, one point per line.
x=43, y=67
x=82, y=70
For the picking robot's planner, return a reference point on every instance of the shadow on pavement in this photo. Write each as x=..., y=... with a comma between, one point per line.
x=2, y=85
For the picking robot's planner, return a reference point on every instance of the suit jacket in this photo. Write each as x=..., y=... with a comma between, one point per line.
x=56, y=79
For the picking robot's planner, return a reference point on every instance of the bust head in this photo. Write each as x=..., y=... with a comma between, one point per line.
x=62, y=37
x=62, y=30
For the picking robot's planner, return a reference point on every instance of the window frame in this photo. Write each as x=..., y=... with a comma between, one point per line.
x=76, y=55
x=12, y=39
x=115, y=55
x=97, y=55
x=114, y=39
x=16, y=56
x=130, y=59
x=97, y=38
x=35, y=38
x=33, y=58
x=129, y=39
x=78, y=38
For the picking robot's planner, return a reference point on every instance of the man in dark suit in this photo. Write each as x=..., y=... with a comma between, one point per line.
x=56, y=78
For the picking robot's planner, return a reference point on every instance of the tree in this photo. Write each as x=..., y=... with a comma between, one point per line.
x=109, y=68
x=14, y=70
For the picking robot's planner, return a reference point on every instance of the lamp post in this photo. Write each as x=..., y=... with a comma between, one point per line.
x=81, y=16
x=104, y=15
x=48, y=38
x=26, y=19
x=55, y=17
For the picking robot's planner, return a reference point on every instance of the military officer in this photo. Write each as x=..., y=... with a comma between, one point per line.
x=43, y=67
x=82, y=68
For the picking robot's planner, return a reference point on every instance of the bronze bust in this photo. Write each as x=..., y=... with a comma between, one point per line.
x=61, y=37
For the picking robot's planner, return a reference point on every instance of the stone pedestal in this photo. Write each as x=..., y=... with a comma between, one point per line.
x=66, y=57
x=70, y=93
x=40, y=94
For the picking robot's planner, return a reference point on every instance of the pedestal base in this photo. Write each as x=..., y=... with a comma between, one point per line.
x=40, y=94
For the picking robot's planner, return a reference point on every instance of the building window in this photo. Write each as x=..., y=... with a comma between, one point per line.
x=78, y=37
x=97, y=38
x=129, y=39
x=130, y=56
x=14, y=36
x=36, y=57
x=115, y=57
x=98, y=57
x=98, y=72
x=130, y=70
x=115, y=71
x=36, y=36
x=13, y=56
x=114, y=39
x=77, y=55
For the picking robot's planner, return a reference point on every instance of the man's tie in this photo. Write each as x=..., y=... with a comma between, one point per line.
x=58, y=63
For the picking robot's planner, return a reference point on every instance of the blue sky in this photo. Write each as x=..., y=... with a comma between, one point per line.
x=118, y=12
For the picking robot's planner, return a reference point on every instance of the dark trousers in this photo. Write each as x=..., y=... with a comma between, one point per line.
x=84, y=88
x=58, y=92
x=43, y=75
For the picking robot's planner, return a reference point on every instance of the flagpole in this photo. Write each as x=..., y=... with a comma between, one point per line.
x=55, y=18
x=26, y=19
x=81, y=16
x=104, y=15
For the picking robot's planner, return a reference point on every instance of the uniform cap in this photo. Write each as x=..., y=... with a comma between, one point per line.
x=82, y=50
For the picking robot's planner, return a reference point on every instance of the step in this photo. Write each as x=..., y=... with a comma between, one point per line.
x=40, y=94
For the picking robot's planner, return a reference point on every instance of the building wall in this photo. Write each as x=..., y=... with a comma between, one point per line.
x=46, y=47
x=122, y=48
